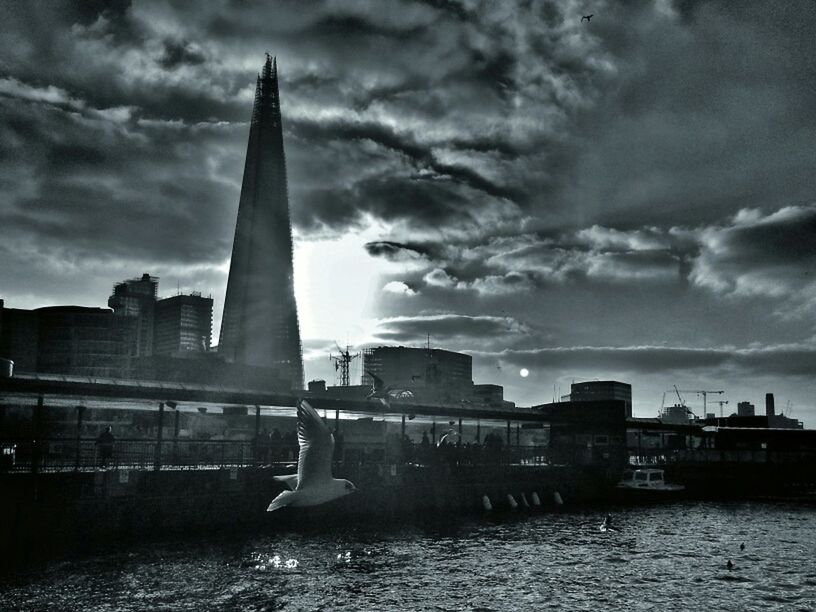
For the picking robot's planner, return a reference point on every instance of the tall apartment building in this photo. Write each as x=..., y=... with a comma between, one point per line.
x=136, y=298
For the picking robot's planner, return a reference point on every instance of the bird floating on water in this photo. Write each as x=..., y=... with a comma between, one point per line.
x=742, y=546
x=313, y=484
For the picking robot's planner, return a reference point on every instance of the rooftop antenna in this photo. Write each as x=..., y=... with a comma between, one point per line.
x=342, y=363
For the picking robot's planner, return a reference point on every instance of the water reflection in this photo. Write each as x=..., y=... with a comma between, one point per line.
x=663, y=557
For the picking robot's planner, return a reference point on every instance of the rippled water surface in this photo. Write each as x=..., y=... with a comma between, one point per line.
x=670, y=557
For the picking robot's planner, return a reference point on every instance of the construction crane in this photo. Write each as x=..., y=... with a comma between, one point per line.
x=343, y=363
x=722, y=403
x=702, y=392
x=681, y=401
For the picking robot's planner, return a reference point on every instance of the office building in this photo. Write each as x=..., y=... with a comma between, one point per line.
x=183, y=325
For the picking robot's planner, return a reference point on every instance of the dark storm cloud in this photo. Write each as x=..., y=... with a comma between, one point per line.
x=710, y=114
x=448, y=327
x=758, y=254
x=395, y=251
x=178, y=53
x=80, y=187
x=792, y=360
x=402, y=144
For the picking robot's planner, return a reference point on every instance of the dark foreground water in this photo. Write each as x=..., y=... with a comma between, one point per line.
x=670, y=557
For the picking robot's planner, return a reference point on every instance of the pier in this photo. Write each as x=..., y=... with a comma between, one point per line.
x=186, y=458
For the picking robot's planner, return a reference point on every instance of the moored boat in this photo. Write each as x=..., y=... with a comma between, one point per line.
x=647, y=484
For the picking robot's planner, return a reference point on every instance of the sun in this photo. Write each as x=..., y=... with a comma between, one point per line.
x=524, y=372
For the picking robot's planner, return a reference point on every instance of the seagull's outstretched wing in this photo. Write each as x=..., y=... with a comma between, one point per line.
x=316, y=447
x=378, y=382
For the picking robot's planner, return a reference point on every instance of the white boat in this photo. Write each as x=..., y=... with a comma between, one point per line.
x=647, y=483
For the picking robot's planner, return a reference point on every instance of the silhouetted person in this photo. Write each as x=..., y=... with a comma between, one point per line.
x=290, y=443
x=104, y=443
x=263, y=446
x=275, y=442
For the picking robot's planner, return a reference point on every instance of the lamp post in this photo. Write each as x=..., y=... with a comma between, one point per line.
x=80, y=414
x=256, y=441
x=157, y=463
x=176, y=427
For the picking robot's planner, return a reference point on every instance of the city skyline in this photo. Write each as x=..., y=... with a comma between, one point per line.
x=629, y=198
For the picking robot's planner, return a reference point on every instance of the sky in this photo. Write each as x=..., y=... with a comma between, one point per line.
x=631, y=197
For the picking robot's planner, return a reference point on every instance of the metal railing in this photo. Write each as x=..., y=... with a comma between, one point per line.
x=66, y=454
x=660, y=457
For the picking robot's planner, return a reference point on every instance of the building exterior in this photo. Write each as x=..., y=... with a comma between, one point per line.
x=597, y=390
x=430, y=374
x=19, y=337
x=136, y=298
x=260, y=323
x=183, y=325
x=71, y=340
x=746, y=409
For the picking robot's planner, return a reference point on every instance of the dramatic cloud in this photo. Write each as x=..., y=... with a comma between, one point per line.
x=448, y=327
x=644, y=180
x=758, y=254
x=399, y=288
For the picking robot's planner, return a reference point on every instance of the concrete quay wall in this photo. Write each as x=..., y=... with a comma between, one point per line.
x=44, y=515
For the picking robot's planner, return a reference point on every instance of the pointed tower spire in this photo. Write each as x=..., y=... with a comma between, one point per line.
x=260, y=323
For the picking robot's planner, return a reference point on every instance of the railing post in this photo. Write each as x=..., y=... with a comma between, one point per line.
x=255, y=448
x=157, y=462
x=80, y=414
x=176, y=425
x=36, y=450
x=459, y=443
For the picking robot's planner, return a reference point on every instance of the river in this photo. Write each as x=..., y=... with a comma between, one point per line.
x=663, y=557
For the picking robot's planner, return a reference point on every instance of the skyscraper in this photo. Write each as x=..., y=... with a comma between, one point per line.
x=260, y=322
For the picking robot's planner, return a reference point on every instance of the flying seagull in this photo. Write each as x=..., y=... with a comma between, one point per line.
x=379, y=390
x=448, y=434
x=587, y=17
x=385, y=393
x=313, y=484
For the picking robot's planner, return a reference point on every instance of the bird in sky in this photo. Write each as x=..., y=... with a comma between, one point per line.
x=313, y=484
x=587, y=17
